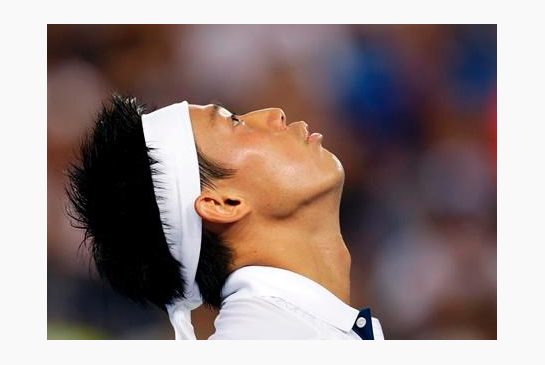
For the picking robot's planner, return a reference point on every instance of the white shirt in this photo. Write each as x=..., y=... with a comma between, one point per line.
x=266, y=303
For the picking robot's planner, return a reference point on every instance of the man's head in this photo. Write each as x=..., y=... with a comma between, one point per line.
x=278, y=169
x=253, y=168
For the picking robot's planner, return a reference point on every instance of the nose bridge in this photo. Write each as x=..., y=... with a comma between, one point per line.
x=269, y=118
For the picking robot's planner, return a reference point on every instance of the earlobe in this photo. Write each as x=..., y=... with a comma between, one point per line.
x=214, y=208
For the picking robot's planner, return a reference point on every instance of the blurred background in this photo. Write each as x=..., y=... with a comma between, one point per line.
x=410, y=110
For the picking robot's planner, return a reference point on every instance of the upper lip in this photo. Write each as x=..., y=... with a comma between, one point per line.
x=304, y=129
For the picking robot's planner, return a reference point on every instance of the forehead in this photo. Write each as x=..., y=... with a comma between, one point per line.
x=204, y=114
x=210, y=135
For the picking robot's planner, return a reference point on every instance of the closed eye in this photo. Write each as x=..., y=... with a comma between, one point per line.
x=236, y=121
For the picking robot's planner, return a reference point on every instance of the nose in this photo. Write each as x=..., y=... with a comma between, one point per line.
x=270, y=118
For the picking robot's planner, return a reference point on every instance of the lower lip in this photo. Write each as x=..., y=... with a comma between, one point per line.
x=314, y=137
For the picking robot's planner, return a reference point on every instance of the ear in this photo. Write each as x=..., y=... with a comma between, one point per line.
x=219, y=208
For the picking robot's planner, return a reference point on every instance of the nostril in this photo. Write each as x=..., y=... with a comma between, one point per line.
x=282, y=114
x=283, y=119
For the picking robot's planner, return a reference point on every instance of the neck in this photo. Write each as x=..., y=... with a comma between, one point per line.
x=309, y=243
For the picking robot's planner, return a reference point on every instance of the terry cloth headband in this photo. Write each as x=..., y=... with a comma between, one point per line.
x=168, y=132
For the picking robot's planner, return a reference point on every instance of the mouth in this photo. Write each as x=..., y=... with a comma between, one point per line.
x=311, y=137
x=314, y=137
x=304, y=130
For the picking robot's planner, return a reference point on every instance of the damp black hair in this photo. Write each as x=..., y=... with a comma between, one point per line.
x=111, y=197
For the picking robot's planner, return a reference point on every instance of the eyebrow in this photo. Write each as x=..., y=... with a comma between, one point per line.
x=214, y=112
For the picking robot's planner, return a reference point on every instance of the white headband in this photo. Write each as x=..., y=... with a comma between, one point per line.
x=169, y=133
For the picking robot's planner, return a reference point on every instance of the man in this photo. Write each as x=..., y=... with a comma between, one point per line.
x=193, y=204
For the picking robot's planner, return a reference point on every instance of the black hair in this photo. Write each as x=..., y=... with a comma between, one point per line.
x=111, y=197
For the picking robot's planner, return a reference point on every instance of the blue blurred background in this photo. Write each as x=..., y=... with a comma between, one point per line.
x=410, y=110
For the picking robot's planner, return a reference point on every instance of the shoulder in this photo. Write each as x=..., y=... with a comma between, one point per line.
x=258, y=318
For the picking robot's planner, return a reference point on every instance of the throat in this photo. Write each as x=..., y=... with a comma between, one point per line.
x=322, y=258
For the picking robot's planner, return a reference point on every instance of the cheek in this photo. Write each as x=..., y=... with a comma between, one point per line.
x=279, y=167
x=276, y=181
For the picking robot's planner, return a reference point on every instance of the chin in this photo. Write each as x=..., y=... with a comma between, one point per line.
x=333, y=174
x=338, y=169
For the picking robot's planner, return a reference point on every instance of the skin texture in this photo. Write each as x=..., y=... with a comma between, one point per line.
x=281, y=208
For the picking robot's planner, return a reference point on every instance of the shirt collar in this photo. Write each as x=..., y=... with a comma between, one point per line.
x=251, y=281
